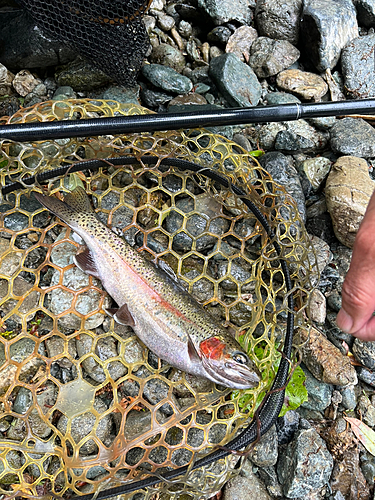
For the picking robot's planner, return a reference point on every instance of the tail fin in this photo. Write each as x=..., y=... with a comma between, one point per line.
x=75, y=203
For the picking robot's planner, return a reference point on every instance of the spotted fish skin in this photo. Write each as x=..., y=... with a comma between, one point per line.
x=165, y=317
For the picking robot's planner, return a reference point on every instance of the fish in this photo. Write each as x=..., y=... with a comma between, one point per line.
x=164, y=316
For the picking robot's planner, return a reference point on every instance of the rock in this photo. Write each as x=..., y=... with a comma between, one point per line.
x=6, y=79
x=319, y=393
x=349, y=398
x=167, y=55
x=24, y=82
x=122, y=94
x=366, y=410
x=281, y=98
x=26, y=46
x=357, y=63
x=344, y=471
x=285, y=174
x=287, y=426
x=65, y=92
x=186, y=100
x=354, y=137
x=28, y=299
x=167, y=78
x=246, y=485
x=235, y=80
x=269, y=57
x=323, y=123
x=366, y=375
x=240, y=42
x=83, y=425
x=307, y=86
x=264, y=453
x=222, y=11
x=279, y=20
x=323, y=359
x=315, y=170
x=327, y=27
x=364, y=352
x=317, y=308
x=269, y=477
x=306, y=464
x=81, y=76
x=9, y=261
x=365, y=12
x=299, y=136
x=348, y=192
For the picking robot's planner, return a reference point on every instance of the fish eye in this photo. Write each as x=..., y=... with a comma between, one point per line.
x=240, y=357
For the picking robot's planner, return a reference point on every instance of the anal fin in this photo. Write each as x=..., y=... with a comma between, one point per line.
x=83, y=259
x=121, y=315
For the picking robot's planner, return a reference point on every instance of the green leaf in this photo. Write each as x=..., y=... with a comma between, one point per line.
x=363, y=433
x=256, y=153
x=3, y=163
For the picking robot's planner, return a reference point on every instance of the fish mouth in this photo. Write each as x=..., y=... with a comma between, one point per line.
x=233, y=375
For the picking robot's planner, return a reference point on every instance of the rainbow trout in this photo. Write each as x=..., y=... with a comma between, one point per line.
x=165, y=317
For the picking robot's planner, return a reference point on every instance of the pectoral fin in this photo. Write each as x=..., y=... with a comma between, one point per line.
x=121, y=315
x=86, y=263
x=194, y=356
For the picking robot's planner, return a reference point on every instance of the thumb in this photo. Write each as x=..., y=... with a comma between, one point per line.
x=358, y=291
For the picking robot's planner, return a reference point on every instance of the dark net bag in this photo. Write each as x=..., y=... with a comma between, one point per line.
x=110, y=34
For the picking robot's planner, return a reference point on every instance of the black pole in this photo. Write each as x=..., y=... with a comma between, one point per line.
x=173, y=121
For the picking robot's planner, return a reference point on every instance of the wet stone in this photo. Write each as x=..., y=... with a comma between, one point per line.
x=357, y=62
x=154, y=99
x=282, y=172
x=220, y=34
x=168, y=56
x=235, y=80
x=167, y=78
x=23, y=401
x=349, y=397
x=315, y=170
x=327, y=28
x=366, y=410
x=319, y=393
x=365, y=353
x=287, y=426
x=299, y=136
x=353, y=136
x=265, y=452
x=277, y=20
x=222, y=11
x=366, y=375
x=269, y=57
x=246, y=485
x=240, y=42
x=307, y=464
x=307, y=86
x=281, y=98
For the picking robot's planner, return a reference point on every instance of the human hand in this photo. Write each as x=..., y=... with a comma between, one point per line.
x=358, y=291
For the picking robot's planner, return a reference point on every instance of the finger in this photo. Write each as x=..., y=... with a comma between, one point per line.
x=358, y=292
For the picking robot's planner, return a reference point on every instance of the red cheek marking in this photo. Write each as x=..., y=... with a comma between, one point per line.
x=212, y=348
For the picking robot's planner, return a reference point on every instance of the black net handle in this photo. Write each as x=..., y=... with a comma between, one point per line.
x=273, y=401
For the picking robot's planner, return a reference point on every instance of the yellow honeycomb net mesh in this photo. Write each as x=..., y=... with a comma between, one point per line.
x=84, y=406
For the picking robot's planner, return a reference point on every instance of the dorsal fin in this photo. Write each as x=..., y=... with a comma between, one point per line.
x=79, y=201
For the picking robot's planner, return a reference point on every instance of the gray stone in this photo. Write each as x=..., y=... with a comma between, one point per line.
x=299, y=136
x=235, y=80
x=349, y=397
x=365, y=352
x=246, y=486
x=287, y=426
x=319, y=393
x=327, y=27
x=83, y=425
x=285, y=174
x=64, y=92
x=366, y=410
x=265, y=453
x=220, y=34
x=154, y=99
x=269, y=57
x=168, y=56
x=279, y=20
x=121, y=94
x=167, y=78
x=222, y=11
x=365, y=12
x=323, y=123
x=26, y=46
x=281, y=98
x=357, y=63
x=23, y=401
x=317, y=309
x=354, y=137
x=92, y=368
x=366, y=375
x=306, y=464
